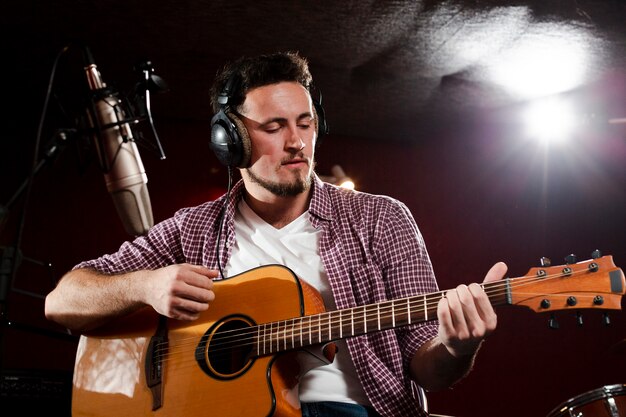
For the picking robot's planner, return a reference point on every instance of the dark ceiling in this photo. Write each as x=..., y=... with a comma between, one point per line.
x=388, y=69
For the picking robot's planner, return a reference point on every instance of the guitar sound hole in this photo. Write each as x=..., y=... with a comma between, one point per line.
x=225, y=350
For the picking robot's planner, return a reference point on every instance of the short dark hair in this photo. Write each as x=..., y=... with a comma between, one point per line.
x=253, y=72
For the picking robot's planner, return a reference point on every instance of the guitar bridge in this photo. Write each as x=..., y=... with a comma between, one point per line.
x=157, y=350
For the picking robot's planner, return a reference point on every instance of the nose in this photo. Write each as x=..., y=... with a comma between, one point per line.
x=294, y=140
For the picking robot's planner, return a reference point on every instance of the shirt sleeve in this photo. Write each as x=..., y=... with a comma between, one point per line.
x=160, y=247
x=407, y=269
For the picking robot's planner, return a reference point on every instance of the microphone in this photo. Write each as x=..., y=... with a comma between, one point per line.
x=124, y=174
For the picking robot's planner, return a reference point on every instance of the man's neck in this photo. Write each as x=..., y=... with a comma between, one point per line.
x=277, y=211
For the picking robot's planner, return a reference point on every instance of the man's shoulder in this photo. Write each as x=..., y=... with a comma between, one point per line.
x=206, y=210
x=343, y=195
x=362, y=208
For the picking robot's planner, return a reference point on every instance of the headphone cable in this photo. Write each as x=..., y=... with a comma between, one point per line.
x=221, y=223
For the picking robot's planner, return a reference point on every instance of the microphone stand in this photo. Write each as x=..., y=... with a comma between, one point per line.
x=11, y=256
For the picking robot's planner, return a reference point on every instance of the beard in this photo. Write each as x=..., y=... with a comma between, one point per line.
x=292, y=188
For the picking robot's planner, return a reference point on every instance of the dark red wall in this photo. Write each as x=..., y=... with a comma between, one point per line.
x=479, y=195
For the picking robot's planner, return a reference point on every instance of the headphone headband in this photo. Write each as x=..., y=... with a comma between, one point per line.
x=230, y=140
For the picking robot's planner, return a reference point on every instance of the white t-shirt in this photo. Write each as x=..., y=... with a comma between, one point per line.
x=295, y=245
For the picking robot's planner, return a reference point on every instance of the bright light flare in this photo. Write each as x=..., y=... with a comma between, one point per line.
x=550, y=59
x=339, y=178
x=550, y=120
x=347, y=184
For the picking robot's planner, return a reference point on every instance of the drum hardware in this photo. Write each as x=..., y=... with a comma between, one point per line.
x=607, y=401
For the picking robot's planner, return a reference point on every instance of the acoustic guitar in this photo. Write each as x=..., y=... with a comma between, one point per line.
x=239, y=357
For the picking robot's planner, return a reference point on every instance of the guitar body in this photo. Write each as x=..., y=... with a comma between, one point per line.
x=111, y=377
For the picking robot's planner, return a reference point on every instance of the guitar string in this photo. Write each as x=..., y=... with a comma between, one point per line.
x=434, y=299
x=280, y=340
x=279, y=337
x=317, y=322
x=180, y=356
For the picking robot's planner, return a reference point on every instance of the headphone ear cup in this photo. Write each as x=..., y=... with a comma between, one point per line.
x=244, y=139
x=230, y=140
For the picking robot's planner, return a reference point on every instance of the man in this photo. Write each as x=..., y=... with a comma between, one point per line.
x=354, y=248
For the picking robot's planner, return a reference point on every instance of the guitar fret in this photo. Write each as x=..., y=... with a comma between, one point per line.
x=384, y=307
x=277, y=336
x=281, y=336
x=333, y=325
x=279, y=333
x=364, y=319
x=352, y=320
x=408, y=310
x=330, y=328
x=287, y=335
x=292, y=326
x=319, y=328
x=340, y=326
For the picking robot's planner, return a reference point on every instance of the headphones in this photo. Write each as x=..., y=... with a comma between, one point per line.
x=230, y=140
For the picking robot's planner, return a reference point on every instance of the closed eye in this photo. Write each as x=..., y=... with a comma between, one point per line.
x=272, y=127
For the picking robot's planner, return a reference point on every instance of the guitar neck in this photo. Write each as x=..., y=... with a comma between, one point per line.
x=594, y=284
x=321, y=328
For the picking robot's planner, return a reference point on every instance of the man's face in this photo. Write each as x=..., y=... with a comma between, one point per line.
x=280, y=120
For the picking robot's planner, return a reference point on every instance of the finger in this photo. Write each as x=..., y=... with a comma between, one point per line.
x=484, y=307
x=190, y=307
x=196, y=293
x=470, y=297
x=444, y=317
x=182, y=314
x=198, y=269
x=456, y=312
x=496, y=272
x=199, y=281
x=198, y=278
x=203, y=270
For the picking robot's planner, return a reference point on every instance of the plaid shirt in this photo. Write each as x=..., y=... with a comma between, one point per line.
x=372, y=251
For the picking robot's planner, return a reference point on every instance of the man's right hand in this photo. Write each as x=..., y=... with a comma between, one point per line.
x=181, y=291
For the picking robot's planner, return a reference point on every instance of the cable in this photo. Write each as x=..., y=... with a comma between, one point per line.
x=221, y=224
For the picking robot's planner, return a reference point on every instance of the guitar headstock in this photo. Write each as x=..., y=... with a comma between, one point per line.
x=591, y=284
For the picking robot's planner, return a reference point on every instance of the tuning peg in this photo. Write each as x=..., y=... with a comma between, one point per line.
x=552, y=323
x=606, y=319
x=545, y=261
x=570, y=259
x=579, y=318
x=596, y=254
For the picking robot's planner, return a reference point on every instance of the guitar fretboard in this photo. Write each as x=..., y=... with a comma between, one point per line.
x=321, y=328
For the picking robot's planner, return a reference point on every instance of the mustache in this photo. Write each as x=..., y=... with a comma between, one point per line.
x=296, y=156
